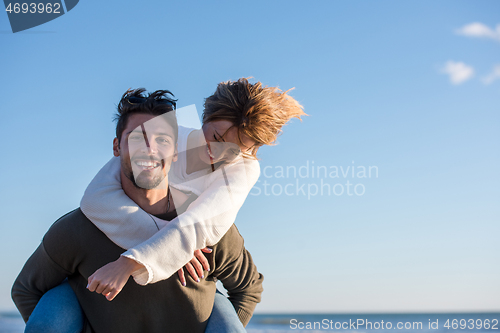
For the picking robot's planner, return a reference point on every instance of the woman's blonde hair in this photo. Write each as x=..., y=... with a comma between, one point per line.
x=257, y=111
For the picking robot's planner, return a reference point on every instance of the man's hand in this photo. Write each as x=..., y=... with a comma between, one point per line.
x=110, y=279
x=196, y=266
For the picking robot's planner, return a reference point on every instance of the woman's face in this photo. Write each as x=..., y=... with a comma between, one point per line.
x=223, y=143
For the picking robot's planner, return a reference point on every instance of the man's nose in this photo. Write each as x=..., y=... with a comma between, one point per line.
x=151, y=146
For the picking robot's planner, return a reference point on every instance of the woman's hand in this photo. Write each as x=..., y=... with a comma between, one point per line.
x=110, y=279
x=196, y=266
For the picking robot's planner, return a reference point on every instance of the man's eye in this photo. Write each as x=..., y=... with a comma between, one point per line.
x=135, y=137
x=163, y=141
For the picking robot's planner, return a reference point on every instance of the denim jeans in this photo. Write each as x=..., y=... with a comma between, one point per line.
x=223, y=318
x=58, y=311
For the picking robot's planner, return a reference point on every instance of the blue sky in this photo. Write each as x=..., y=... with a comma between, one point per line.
x=408, y=87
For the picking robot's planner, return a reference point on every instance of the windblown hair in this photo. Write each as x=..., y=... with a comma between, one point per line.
x=156, y=103
x=257, y=111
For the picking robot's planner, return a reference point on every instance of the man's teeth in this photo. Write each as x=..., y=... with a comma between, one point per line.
x=209, y=153
x=147, y=164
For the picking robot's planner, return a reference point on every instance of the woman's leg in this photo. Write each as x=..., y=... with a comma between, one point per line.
x=223, y=318
x=58, y=311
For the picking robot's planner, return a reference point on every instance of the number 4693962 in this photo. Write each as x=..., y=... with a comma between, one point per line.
x=472, y=324
x=34, y=8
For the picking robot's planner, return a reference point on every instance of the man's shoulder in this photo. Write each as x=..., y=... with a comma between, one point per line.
x=232, y=236
x=72, y=217
x=231, y=244
x=72, y=223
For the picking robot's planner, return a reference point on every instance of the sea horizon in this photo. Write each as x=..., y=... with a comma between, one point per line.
x=11, y=322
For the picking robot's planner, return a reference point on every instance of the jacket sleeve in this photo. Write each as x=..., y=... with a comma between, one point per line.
x=41, y=272
x=56, y=258
x=237, y=272
x=164, y=252
x=39, y=275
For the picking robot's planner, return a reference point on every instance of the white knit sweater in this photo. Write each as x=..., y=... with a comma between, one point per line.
x=220, y=196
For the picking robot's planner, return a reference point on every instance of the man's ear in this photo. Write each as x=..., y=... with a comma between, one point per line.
x=174, y=159
x=116, y=147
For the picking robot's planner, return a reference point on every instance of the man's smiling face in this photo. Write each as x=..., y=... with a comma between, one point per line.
x=147, y=148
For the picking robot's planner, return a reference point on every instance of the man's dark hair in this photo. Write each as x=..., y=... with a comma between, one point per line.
x=135, y=101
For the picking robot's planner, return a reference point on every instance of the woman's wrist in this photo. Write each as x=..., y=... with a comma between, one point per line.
x=129, y=264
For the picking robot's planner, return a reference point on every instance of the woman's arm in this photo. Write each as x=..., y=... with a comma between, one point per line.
x=204, y=223
x=113, y=212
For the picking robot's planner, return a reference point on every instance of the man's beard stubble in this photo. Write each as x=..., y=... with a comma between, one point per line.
x=144, y=182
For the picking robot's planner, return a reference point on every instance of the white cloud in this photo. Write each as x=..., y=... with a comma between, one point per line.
x=494, y=75
x=480, y=30
x=458, y=71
